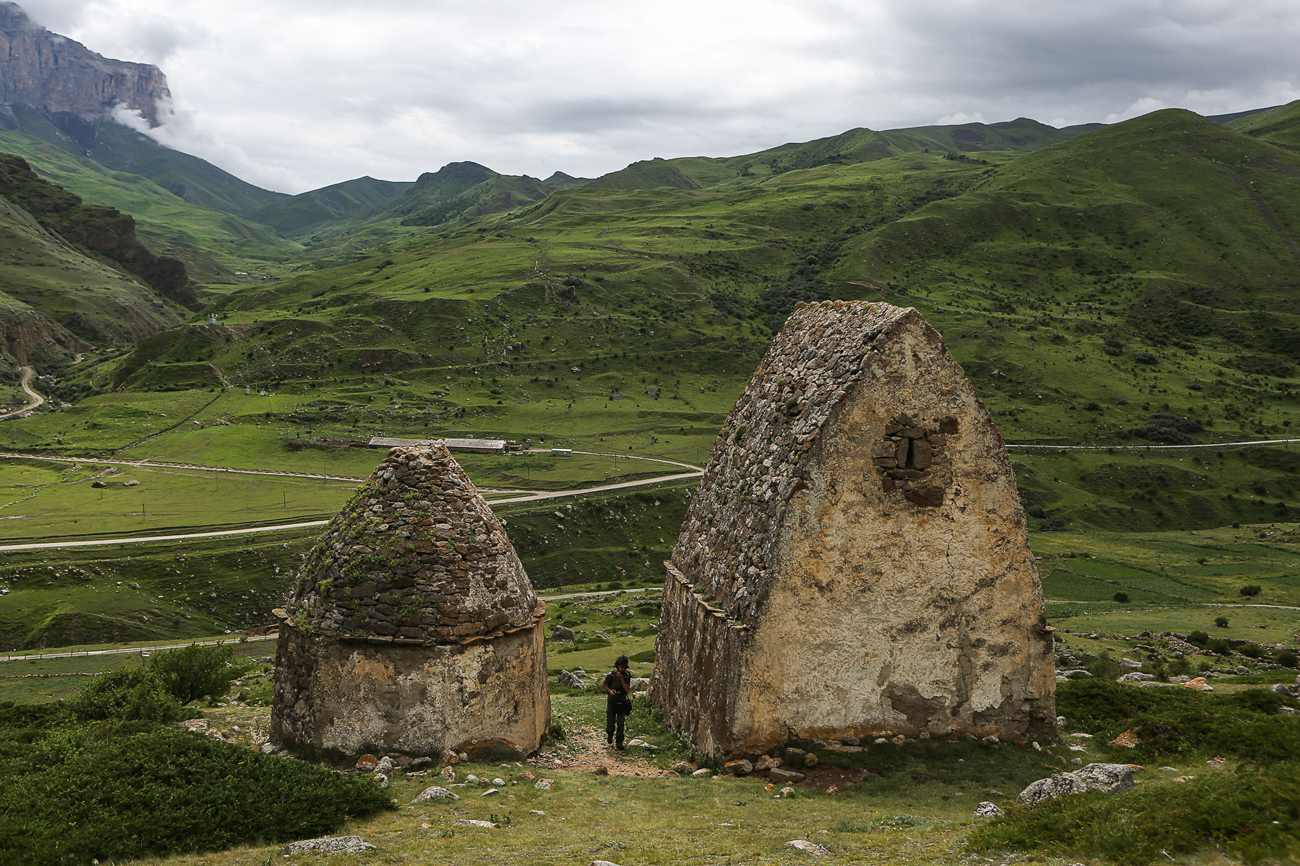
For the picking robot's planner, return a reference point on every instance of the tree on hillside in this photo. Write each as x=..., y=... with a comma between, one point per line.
x=195, y=671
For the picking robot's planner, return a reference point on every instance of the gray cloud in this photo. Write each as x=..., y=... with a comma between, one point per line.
x=295, y=96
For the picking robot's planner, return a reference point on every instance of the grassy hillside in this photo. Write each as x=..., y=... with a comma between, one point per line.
x=1150, y=267
x=1280, y=126
x=331, y=204
x=120, y=148
x=58, y=298
x=867, y=145
x=213, y=244
x=1157, y=258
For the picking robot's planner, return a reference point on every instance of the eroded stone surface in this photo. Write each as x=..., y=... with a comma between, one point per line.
x=855, y=560
x=413, y=627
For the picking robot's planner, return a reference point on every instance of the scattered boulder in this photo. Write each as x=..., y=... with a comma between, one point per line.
x=987, y=810
x=469, y=822
x=562, y=633
x=739, y=767
x=1130, y=664
x=1137, y=677
x=575, y=679
x=781, y=774
x=702, y=773
x=1198, y=684
x=435, y=792
x=808, y=847
x=640, y=685
x=330, y=845
x=1128, y=740
x=1108, y=778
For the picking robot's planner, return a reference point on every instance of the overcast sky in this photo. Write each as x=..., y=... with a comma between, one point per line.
x=293, y=95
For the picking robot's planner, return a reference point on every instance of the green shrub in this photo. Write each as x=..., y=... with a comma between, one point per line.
x=134, y=789
x=195, y=671
x=1287, y=658
x=1218, y=646
x=1251, y=651
x=1251, y=815
x=1243, y=724
x=1121, y=597
x=1198, y=637
x=1252, y=590
x=127, y=695
x=1221, y=621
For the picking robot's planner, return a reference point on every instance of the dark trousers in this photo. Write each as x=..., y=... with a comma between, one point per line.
x=614, y=723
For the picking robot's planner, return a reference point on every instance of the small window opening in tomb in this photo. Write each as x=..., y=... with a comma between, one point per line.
x=911, y=461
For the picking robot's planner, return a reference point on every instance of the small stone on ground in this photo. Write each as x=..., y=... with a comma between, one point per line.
x=330, y=845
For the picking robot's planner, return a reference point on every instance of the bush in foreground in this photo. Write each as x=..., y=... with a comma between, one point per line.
x=1176, y=721
x=123, y=790
x=194, y=672
x=1253, y=814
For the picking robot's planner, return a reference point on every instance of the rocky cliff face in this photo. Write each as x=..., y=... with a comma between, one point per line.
x=58, y=75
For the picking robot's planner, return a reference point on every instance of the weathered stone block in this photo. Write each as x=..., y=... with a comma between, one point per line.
x=382, y=663
x=860, y=608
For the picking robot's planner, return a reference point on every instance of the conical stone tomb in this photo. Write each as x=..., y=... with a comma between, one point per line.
x=413, y=627
x=855, y=561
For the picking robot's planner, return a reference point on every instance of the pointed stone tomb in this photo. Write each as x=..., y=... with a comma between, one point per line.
x=413, y=627
x=855, y=561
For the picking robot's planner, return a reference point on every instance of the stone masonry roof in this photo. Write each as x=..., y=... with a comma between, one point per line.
x=416, y=556
x=758, y=456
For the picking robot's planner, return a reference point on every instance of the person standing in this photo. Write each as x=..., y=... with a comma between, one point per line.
x=617, y=703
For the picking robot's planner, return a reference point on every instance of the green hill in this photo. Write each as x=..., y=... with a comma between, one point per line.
x=62, y=292
x=866, y=145
x=212, y=243
x=647, y=174
x=120, y=148
x=341, y=202
x=1280, y=126
x=1134, y=284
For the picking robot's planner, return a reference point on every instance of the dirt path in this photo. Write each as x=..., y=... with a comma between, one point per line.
x=584, y=749
x=36, y=399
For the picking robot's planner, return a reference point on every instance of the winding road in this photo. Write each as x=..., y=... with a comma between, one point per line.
x=36, y=398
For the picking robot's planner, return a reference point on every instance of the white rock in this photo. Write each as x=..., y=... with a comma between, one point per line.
x=806, y=846
x=987, y=810
x=1109, y=778
x=330, y=845
x=435, y=793
x=467, y=822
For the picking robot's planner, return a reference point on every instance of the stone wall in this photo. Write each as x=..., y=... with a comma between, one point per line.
x=856, y=560
x=351, y=697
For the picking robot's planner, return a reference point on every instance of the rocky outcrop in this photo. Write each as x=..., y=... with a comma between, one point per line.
x=55, y=74
x=1107, y=778
x=104, y=231
x=855, y=561
x=30, y=338
x=413, y=627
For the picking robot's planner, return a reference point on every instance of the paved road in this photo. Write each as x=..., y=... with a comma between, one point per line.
x=36, y=399
x=248, y=530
